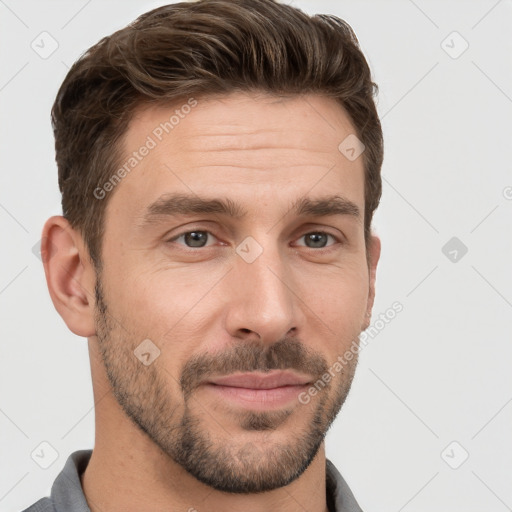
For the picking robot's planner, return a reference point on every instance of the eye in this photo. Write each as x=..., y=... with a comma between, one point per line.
x=318, y=239
x=193, y=239
x=196, y=239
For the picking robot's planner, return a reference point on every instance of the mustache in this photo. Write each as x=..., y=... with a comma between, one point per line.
x=251, y=356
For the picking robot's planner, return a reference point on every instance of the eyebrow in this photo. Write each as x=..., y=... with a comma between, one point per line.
x=170, y=205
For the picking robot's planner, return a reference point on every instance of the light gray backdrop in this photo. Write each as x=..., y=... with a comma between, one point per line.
x=427, y=425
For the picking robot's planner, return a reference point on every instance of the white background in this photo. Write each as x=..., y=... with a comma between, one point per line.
x=439, y=372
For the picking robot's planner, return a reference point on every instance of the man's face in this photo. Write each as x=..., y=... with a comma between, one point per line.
x=275, y=289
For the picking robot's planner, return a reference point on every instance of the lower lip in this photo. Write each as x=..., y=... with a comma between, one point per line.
x=258, y=398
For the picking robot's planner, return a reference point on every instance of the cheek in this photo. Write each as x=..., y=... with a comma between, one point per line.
x=172, y=310
x=338, y=304
x=342, y=293
x=168, y=296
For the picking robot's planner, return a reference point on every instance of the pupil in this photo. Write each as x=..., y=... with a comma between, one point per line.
x=314, y=238
x=197, y=238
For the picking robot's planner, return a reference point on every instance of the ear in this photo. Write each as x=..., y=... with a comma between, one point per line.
x=70, y=275
x=373, y=259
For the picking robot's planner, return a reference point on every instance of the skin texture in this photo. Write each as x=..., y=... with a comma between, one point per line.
x=164, y=440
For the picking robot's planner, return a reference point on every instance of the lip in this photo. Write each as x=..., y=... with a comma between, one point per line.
x=261, y=381
x=258, y=391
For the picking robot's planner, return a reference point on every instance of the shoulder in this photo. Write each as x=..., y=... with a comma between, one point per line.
x=42, y=505
x=66, y=493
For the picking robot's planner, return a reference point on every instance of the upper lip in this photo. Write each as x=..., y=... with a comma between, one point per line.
x=255, y=380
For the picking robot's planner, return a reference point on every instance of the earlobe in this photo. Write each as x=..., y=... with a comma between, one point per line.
x=70, y=275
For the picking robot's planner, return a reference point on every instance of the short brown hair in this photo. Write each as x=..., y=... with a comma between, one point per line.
x=202, y=48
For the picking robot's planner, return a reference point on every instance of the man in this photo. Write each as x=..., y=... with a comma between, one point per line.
x=219, y=163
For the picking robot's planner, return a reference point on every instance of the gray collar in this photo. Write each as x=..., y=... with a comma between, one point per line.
x=339, y=495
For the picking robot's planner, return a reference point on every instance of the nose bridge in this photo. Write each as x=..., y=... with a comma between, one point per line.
x=263, y=300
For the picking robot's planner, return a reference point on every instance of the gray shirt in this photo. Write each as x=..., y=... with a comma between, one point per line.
x=67, y=495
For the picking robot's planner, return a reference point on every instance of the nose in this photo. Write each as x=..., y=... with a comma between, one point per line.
x=262, y=304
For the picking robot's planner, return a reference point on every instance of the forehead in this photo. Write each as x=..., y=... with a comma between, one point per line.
x=241, y=117
x=242, y=145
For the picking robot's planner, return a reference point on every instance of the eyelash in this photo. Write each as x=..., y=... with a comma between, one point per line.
x=319, y=232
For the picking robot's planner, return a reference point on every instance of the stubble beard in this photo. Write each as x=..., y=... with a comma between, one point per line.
x=179, y=427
